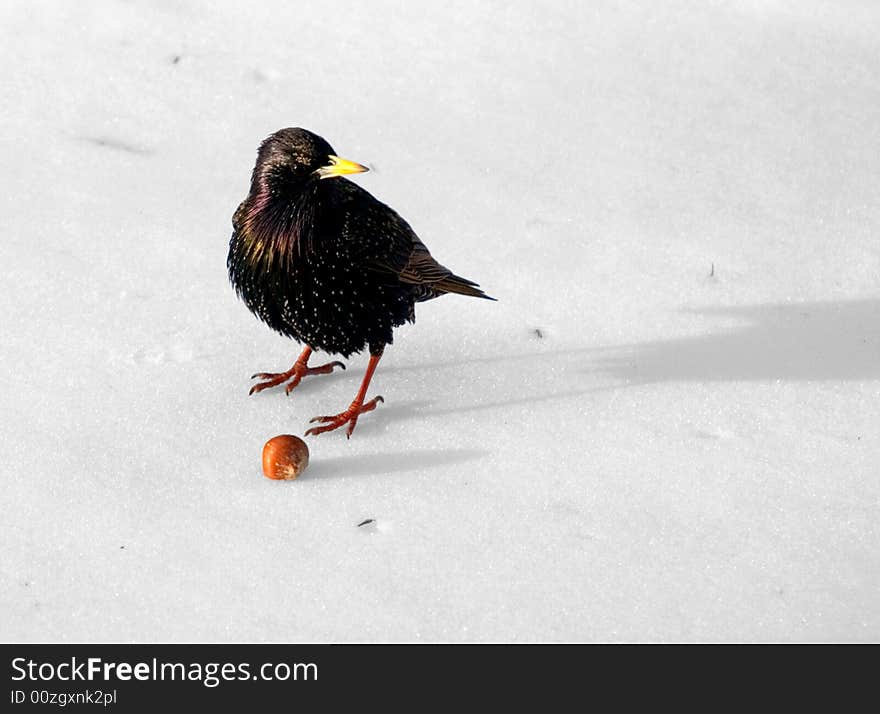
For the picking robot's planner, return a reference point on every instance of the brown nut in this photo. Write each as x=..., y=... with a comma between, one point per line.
x=285, y=457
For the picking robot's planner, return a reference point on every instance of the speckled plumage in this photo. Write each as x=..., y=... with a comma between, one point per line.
x=321, y=260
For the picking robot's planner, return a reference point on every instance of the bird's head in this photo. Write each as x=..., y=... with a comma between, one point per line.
x=292, y=158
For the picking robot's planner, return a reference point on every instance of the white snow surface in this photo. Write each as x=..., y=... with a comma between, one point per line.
x=681, y=198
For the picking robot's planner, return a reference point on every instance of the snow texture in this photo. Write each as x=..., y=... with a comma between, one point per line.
x=667, y=429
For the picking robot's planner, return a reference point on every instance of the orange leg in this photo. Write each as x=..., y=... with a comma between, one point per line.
x=355, y=409
x=299, y=370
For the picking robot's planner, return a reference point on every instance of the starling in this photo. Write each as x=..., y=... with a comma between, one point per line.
x=319, y=259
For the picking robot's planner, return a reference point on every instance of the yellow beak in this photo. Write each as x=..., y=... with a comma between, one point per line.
x=340, y=167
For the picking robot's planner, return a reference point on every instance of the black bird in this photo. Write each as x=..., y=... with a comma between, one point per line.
x=324, y=262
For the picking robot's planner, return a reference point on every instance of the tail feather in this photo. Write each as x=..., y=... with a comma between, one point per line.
x=461, y=286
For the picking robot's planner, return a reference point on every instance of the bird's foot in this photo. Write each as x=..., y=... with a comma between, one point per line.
x=294, y=374
x=349, y=416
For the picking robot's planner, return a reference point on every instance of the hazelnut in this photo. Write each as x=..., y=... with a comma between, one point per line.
x=285, y=457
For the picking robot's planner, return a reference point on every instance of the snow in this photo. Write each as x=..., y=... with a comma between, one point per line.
x=680, y=197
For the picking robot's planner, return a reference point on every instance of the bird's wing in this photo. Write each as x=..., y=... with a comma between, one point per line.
x=422, y=270
x=385, y=243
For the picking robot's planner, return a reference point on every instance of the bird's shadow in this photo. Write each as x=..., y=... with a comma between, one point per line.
x=788, y=342
x=380, y=464
x=791, y=342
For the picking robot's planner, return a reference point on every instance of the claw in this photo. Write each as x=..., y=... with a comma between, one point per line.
x=355, y=409
x=295, y=374
x=349, y=416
